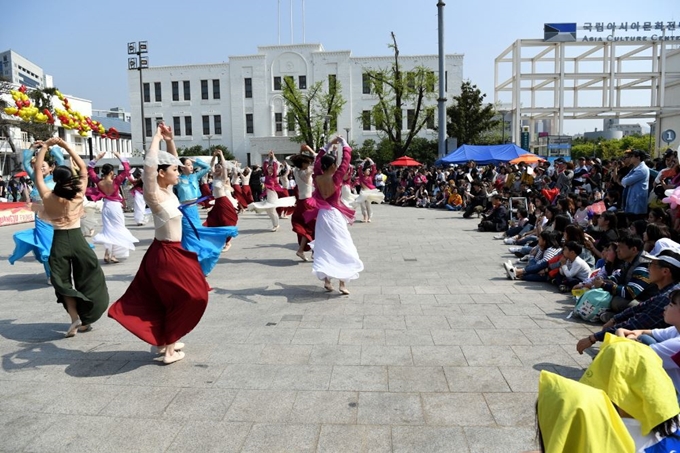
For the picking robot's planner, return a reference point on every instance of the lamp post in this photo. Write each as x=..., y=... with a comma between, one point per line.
x=652, y=126
x=503, y=113
x=138, y=62
x=347, y=130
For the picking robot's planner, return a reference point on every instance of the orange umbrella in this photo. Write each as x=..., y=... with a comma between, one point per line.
x=405, y=161
x=528, y=158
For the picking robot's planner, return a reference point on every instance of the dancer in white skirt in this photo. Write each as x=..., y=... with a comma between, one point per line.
x=116, y=238
x=270, y=168
x=346, y=194
x=142, y=213
x=335, y=255
x=368, y=193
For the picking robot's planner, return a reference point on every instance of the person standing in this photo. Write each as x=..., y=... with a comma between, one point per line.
x=303, y=169
x=169, y=294
x=368, y=193
x=272, y=203
x=255, y=185
x=137, y=191
x=636, y=183
x=223, y=212
x=77, y=278
x=335, y=255
x=245, y=185
x=116, y=238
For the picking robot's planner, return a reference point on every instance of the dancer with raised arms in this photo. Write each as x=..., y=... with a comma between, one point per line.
x=224, y=210
x=303, y=168
x=270, y=167
x=368, y=193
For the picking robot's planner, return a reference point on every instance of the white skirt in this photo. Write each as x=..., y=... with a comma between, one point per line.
x=335, y=255
x=115, y=236
x=272, y=202
x=142, y=213
x=370, y=196
x=89, y=222
x=346, y=196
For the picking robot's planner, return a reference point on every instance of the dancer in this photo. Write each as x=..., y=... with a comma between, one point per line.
x=273, y=188
x=77, y=278
x=142, y=213
x=347, y=196
x=39, y=238
x=169, y=294
x=237, y=189
x=245, y=185
x=206, y=242
x=223, y=212
x=283, y=190
x=368, y=193
x=117, y=239
x=335, y=255
x=303, y=169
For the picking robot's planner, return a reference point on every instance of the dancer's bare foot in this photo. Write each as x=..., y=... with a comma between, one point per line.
x=73, y=329
x=327, y=285
x=85, y=328
x=302, y=256
x=161, y=349
x=226, y=247
x=343, y=289
x=114, y=260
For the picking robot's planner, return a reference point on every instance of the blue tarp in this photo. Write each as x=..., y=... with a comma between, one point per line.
x=482, y=155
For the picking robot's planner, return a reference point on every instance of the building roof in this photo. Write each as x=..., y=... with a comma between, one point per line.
x=123, y=127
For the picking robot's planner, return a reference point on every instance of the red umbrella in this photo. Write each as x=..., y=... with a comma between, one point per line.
x=21, y=174
x=405, y=161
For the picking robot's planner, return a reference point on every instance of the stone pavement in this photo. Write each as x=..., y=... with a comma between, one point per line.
x=433, y=351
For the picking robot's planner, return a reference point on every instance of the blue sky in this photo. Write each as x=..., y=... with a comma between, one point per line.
x=83, y=44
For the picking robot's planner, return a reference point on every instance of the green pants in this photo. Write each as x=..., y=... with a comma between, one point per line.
x=76, y=273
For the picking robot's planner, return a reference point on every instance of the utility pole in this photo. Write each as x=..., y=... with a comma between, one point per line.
x=441, y=102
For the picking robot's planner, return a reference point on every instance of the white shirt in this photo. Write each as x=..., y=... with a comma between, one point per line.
x=577, y=269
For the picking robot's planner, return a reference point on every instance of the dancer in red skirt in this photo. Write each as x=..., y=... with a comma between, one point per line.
x=245, y=185
x=303, y=169
x=169, y=294
x=283, y=190
x=223, y=212
x=237, y=189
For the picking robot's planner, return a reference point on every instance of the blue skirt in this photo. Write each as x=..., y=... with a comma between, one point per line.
x=37, y=240
x=209, y=242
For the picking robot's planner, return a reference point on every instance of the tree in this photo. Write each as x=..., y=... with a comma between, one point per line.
x=468, y=117
x=314, y=111
x=609, y=149
x=395, y=90
x=198, y=150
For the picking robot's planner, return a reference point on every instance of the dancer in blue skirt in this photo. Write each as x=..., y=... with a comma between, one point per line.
x=38, y=240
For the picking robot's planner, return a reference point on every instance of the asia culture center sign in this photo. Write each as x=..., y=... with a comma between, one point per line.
x=612, y=31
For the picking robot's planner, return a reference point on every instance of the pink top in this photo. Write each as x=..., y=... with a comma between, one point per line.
x=271, y=174
x=367, y=180
x=117, y=181
x=333, y=201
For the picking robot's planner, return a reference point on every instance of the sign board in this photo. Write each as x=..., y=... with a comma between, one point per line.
x=559, y=32
x=612, y=31
x=524, y=140
x=668, y=136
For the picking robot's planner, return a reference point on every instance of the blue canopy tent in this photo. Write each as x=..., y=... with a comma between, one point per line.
x=482, y=155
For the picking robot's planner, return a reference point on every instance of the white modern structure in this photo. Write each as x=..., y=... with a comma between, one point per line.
x=239, y=104
x=670, y=119
x=592, y=78
x=22, y=71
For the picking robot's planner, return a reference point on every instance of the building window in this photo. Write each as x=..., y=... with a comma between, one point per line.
x=157, y=91
x=176, y=126
x=277, y=83
x=204, y=89
x=366, y=119
x=249, y=124
x=147, y=127
x=206, y=125
x=410, y=116
x=216, y=88
x=302, y=82
x=218, y=124
x=187, y=90
x=175, y=91
x=290, y=119
x=332, y=82
x=430, y=120
x=248, y=83
x=147, y=93
x=366, y=83
x=278, y=121
x=188, y=129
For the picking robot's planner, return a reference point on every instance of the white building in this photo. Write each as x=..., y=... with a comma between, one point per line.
x=670, y=120
x=19, y=70
x=239, y=104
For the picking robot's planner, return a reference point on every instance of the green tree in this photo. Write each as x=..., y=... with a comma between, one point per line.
x=609, y=149
x=424, y=151
x=198, y=150
x=469, y=118
x=395, y=90
x=6, y=121
x=314, y=110
x=42, y=99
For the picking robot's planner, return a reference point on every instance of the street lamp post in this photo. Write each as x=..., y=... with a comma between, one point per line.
x=347, y=130
x=503, y=113
x=138, y=62
x=652, y=125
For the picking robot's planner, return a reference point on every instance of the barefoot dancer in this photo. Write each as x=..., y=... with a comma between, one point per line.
x=169, y=294
x=335, y=255
x=368, y=194
x=223, y=212
x=303, y=168
x=270, y=167
x=77, y=278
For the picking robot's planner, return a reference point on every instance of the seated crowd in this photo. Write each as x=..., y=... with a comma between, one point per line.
x=608, y=233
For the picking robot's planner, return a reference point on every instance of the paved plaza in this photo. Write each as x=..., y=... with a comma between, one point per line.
x=433, y=351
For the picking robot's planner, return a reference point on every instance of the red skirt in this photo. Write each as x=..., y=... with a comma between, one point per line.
x=283, y=193
x=167, y=297
x=300, y=227
x=205, y=192
x=222, y=214
x=248, y=194
x=238, y=194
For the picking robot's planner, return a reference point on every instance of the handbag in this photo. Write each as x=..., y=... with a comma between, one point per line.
x=592, y=304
